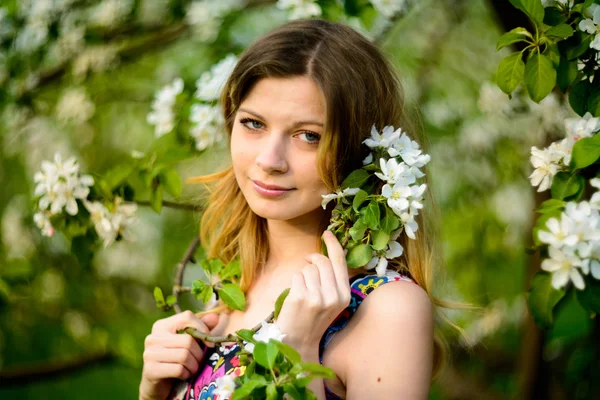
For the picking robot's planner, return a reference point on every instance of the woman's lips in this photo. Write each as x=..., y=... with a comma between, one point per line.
x=269, y=190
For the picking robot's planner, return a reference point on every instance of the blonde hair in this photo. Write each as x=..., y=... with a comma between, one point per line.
x=360, y=89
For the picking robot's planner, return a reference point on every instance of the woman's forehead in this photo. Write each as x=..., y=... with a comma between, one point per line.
x=297, y=98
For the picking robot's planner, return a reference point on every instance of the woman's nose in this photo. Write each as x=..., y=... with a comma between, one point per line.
x=271, y=155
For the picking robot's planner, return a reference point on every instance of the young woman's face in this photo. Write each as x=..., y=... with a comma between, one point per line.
x=274, y=148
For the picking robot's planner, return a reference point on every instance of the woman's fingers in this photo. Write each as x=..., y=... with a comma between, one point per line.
x=181, y=321
x=155, y=371
x=174, y=341
x=172, y=356
x=336, y=254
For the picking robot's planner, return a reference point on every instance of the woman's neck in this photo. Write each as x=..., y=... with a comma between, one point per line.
x=291, y=241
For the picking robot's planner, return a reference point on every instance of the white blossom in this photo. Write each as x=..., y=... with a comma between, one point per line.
x=95, y=59
x=410, y=152
x=300, y=9
x=110, y=224
x=564, y=268
x=225, y=386
x=384, y=139
x=393, y=250
x=340, y=194
x=74, y=105
x=162, y=115
x=578, y=128
x=592, y=25
x=43, y=222
x=207, y=125
x=492, y=100
x=60, y=185
x=389, y=8
x=595, y=200
x=393, y=172
x=547, y=163
x=264, y=334
x=561, y=232
x=205, y=16
x=211, y=83
x=109, y=13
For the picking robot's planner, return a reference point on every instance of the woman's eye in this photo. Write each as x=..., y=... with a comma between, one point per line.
x=311, y=137
x=251, y=123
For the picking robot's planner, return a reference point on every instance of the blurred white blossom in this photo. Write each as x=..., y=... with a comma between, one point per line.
x=75, y=105
x=207, y=125
x=162, y=115
x=205, y=16
x=389, y=8
x=264, y=334
x=211, y=83
x=109, y=13
x=300, y=9
x=94, y=59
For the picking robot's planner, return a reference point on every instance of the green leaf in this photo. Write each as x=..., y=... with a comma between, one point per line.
x=279, y=302
x=576, y=51
x=117, y=175
x=553, y=16
x=289, y=352
x=172, y=182
x=589, y=298
x=514, y=36
x=553, y=54
x=566, y=74
x=232, y=270
x=579, y=96
x=359, y=255
x=318, y=370
x=246, y=389
x=233, y=296
x=156, y=198
x=158, y=297
x=594, y=100
x=540, y=77
x=533, y=8
x=171, y=300
x=206, y=294
x=565, y=185
x=551, y=205
x=585, y=152
x=371, y=215
x=542, y=298
x=561, y=31
x=265, y=353
x=357, y=232
x=247, y=335
x=359, y=198
x=390, y=222
x=510, y=73
x=272, y=392
x=212, y=266
x=294, y=392
x=355, y=179
x=380, y=239
x=197, y=287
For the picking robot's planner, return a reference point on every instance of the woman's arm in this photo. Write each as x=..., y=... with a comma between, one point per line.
x=390, y=346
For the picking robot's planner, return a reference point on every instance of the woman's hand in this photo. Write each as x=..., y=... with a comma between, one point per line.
x=169, y=355
x=319, y=292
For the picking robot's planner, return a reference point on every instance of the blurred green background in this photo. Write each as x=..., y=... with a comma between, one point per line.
x=72, y=332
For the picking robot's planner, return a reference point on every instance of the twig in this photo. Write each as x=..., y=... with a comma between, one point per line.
x=188, y=256
x=171, y=204
x=227, y=338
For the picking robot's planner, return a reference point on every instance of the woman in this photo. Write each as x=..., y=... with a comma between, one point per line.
x=298, y=106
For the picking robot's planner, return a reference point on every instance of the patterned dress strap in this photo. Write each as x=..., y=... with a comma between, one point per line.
x=360, y=287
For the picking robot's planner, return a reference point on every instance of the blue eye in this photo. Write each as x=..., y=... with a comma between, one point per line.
x=311, y=137
x=253, y=122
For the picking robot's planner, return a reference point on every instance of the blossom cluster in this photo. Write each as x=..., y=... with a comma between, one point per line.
x=549, y=161
x=114, y=222
x=592, y=25
x=300, y=9
x=162, y=115
x=59, y=185
x=403, y=193
x=206, y=120
x=573, y=242
x=206, y=16
x=205, y=117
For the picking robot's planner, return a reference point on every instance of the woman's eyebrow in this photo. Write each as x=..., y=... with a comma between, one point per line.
x=295, y=124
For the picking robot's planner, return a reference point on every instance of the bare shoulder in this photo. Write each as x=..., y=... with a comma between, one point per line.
x=391, y=342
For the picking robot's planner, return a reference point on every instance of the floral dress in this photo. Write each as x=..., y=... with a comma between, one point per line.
x=221, y=360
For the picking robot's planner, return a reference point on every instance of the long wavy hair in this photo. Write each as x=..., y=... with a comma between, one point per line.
x=360, y=89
